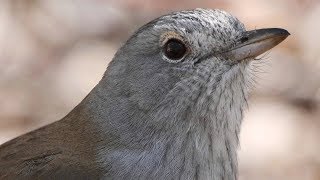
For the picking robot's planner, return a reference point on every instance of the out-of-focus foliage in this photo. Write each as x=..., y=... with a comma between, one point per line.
x=53, y=52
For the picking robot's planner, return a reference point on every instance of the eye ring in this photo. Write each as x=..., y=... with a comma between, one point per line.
x=174, y=50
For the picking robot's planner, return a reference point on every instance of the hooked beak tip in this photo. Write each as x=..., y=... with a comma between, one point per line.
x=254, y=43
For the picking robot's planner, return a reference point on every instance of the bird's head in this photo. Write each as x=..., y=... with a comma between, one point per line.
x=175, y=91
x=189, y=53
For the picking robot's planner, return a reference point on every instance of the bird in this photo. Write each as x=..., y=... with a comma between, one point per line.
x=169, y=106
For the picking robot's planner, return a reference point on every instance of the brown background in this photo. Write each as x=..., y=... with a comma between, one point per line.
x=53, y=52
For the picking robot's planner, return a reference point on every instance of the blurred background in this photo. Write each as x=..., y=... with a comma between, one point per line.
x=53, y=52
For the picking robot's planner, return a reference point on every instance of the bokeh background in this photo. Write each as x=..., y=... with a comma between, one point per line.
x=53, y=52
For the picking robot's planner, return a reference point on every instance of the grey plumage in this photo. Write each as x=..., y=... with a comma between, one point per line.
x=150, y=117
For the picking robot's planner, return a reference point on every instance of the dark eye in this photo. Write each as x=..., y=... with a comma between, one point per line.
x=174, y=49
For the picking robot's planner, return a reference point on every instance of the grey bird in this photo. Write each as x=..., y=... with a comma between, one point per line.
x=169, y=106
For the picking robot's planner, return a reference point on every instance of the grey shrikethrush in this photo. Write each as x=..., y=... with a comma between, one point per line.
x=169, y=106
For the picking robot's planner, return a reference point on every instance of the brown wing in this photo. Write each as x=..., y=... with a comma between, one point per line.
x=46, y=154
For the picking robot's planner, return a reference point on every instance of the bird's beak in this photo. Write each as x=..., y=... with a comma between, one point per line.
x=253, y=43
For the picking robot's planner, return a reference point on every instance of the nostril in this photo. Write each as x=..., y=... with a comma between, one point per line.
x=244, y=39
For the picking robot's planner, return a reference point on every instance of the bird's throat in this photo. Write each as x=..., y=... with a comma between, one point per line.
x=192, y=133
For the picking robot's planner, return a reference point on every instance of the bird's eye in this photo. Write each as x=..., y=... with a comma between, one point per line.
x=174, y=49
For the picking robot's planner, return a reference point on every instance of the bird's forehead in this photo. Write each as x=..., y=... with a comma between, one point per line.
x=204, y=20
